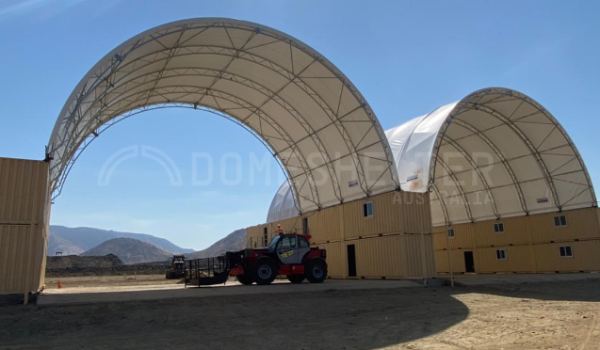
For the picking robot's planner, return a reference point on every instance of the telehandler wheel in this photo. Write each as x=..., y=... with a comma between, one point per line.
x=244, y=279
x=295, y=278
x=264, y=271
x=315, y=270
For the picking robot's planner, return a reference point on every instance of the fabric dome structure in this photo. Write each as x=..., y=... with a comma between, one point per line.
x=495, y=153
x=306, y=112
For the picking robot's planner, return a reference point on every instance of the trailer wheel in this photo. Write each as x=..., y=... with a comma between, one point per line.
x=244, y=279
x=295, y=278
x=316, y=270
x=264, y=271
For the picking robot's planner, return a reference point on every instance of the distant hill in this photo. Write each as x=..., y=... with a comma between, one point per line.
x=232, y=242
x=71, y=241
x=130, y=251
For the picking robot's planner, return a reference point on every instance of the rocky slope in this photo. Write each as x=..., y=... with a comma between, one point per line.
x=232, y=242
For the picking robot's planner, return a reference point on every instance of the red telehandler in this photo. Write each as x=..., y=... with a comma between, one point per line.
x=288, y=255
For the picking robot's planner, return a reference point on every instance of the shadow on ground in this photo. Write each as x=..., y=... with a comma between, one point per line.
x=361, y=319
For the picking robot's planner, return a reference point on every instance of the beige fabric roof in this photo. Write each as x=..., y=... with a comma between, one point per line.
x=493, y=154
x=312, y=118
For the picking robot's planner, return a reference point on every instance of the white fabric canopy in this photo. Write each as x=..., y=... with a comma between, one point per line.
x=495, y=153
x=313, y=119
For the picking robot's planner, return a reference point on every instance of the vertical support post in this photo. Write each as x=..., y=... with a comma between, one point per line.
x=423, y=260
x=26, y=298
x=449, y=260
x=343, y=252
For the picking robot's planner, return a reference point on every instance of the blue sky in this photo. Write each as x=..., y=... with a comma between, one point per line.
x=406, y=57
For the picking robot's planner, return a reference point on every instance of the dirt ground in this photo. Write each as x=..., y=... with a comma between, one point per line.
x=106, y=281
x=551, y=315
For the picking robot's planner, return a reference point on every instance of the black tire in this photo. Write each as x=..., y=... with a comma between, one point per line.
x=264, y=271
x=244, y=279
x=169, y=275
x=295, y=278
x=315, y=270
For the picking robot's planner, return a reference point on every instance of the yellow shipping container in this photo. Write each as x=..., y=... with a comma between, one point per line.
x=22, y=258
x=325, y=225
x=464, y=236
x=455, y=258
x=416, y=212
x=581, y=224
x=419, y=257
x=517, y=259
x=378, y=257
x=23, y=191
x=585, y=257
x=386, y=217
x=517, y=231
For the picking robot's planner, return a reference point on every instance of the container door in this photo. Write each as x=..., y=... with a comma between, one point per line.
x=469, y=262
x=351, y=260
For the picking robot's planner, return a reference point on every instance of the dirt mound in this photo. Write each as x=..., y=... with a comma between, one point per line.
x=75, y=261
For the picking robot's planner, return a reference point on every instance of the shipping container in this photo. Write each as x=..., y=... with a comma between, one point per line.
x=416, y=212
x=419, y=255
x=379, y=257
x=384, y=217
x=325, y=225
x=23, y=191
x=22, y=258
x=455, y=258
x=584, y=256
x=580, y=224
x=507, y=231
x=509, y=259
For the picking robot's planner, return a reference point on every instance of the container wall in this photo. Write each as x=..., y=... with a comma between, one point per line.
x=395, y=242
x=378, y=257
x=23, y=191
x=516, y=232
x=419, y=260
x=336, y=261
x=517, y=260
x=581, y=224
x=386, y=217
x=416, y=212
x=325, y=225
x=22, y=258
x=586, y=257
x=455, y=258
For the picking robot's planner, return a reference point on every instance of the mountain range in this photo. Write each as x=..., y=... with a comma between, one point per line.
x=74, y=241
x=132, y=247
x=130, y=251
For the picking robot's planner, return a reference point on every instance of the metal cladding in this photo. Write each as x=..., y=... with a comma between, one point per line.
x=24, y=212
x=496, y=153
x=308, y=113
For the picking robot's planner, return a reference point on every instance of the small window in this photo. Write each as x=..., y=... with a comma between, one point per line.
x=451, y=232
x=566, y=251
x=499, y=227
x=265, y=237
x=560, y=220
x=501, y=254
x=305, y=226
x=302, y=242
x=368, y=209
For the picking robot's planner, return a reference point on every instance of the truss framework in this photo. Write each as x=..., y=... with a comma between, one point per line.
x=494, y=154
x=309, y=115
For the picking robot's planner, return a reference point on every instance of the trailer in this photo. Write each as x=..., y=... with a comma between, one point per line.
x=287, y=255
